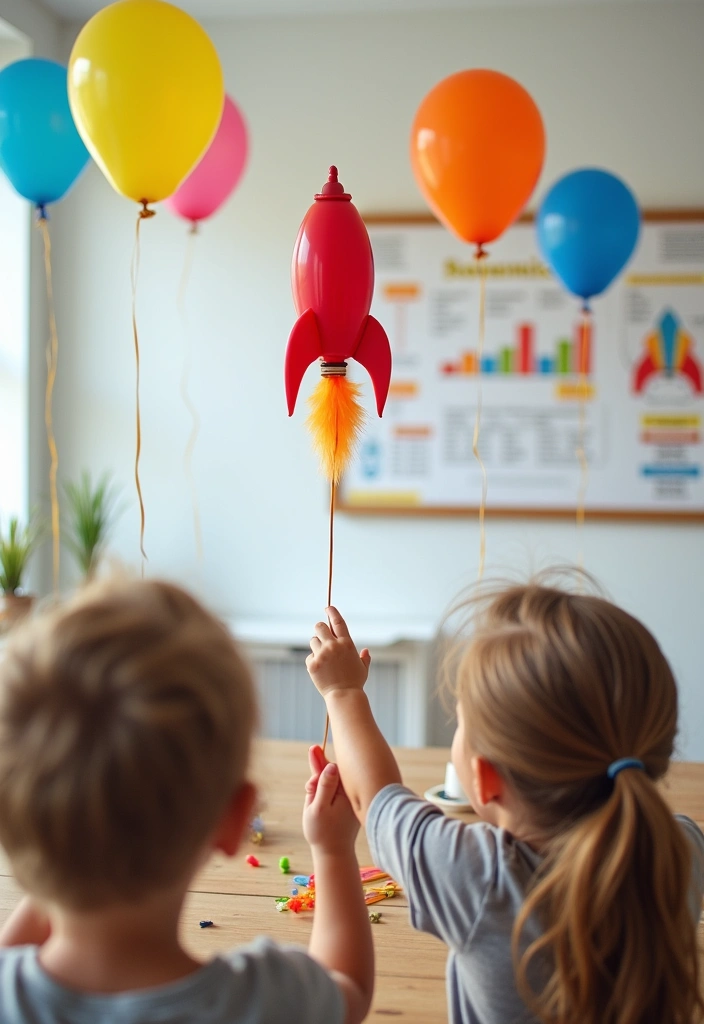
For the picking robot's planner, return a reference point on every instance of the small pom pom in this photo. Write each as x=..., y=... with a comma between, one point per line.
x=252, y=860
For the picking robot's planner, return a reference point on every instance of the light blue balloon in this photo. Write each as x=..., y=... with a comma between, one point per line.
x=41, y=151
x=588, y=227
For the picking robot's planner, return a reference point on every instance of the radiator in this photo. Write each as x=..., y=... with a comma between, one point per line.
x=292, y=709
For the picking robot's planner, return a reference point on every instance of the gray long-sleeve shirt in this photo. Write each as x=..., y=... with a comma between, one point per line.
x=466, y=884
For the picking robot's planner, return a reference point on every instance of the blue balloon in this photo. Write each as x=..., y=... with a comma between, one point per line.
x=41, y=151
x=588, y=227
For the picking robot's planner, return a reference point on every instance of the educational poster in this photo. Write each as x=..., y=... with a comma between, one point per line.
x=641, y=396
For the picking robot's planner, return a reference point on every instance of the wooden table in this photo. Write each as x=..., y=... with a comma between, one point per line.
x=239, y=899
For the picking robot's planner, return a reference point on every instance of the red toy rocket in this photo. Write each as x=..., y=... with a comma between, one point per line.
x=332, y=277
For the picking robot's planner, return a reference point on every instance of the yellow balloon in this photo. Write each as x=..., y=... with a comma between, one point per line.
x=146, y=92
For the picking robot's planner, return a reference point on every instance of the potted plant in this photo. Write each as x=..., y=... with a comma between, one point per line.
x=92, y=517
x=17, y=545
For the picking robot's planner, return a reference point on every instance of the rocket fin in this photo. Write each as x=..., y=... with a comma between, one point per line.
x=374, y=353
x=690, y=368
x=644, y=370
x=303, y=348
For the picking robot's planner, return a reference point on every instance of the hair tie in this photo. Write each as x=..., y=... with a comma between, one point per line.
x=624, y=762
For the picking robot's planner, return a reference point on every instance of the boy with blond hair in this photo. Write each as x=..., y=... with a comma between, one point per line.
x=126, y=720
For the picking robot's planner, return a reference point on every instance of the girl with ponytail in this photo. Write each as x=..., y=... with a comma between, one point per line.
x=576, y=899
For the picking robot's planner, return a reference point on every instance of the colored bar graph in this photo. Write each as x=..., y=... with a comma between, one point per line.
x=469, y=362
x=564, y=356
x=526, y=333
x=506, y=360
x=583, y=347
x=571, y=357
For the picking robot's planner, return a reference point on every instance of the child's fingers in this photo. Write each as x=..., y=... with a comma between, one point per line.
x=366, y=657
x=328, y=782
x=311, y=789
x=322, y=631
x=317, y=759
x=339, y=626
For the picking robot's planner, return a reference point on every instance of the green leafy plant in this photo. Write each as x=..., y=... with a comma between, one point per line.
x=93, y=512
x=16, y=548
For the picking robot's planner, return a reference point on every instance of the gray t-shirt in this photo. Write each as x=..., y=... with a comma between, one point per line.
x=465, y=884
x=258, y=984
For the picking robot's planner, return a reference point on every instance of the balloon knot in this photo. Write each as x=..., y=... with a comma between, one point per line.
x=145, y=213
x=41, y=212
x=586, y=309
x=480, y=253
x=194, y=228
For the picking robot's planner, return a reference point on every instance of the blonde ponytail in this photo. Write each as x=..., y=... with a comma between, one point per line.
x=555, y=687
x=613, y=896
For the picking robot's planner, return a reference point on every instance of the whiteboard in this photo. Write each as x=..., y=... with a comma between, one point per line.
x=642, y=402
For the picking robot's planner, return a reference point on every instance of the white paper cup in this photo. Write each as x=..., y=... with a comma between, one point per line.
x=453, y=786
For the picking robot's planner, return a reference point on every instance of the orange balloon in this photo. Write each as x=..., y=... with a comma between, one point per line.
x=477, y=150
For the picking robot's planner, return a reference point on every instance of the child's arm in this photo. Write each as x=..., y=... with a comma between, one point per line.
x=27, y=925
x=339, y=672
x=341, y=939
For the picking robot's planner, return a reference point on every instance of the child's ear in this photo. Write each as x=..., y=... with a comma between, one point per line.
x=488, y=784
x=235, y=820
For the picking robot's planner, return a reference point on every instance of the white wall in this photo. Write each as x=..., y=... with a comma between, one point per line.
x=619, y=86
x=35, y=21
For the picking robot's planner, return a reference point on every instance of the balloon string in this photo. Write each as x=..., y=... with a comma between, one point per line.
x=580, y=450
x=143, y=214
x=52, y=354
x=185, y=380
x=480, y=255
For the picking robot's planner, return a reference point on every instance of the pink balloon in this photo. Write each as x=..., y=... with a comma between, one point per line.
x=214, y=179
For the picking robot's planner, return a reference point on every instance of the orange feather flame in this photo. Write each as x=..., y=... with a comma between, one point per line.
x=336, y=421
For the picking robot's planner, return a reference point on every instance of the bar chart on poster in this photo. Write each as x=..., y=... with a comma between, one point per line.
x=628, y=381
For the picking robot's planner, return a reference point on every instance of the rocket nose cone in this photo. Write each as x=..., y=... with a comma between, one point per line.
x=332, y=186
x=333, y=189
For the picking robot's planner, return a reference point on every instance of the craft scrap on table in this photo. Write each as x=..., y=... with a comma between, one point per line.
x=302, y=896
